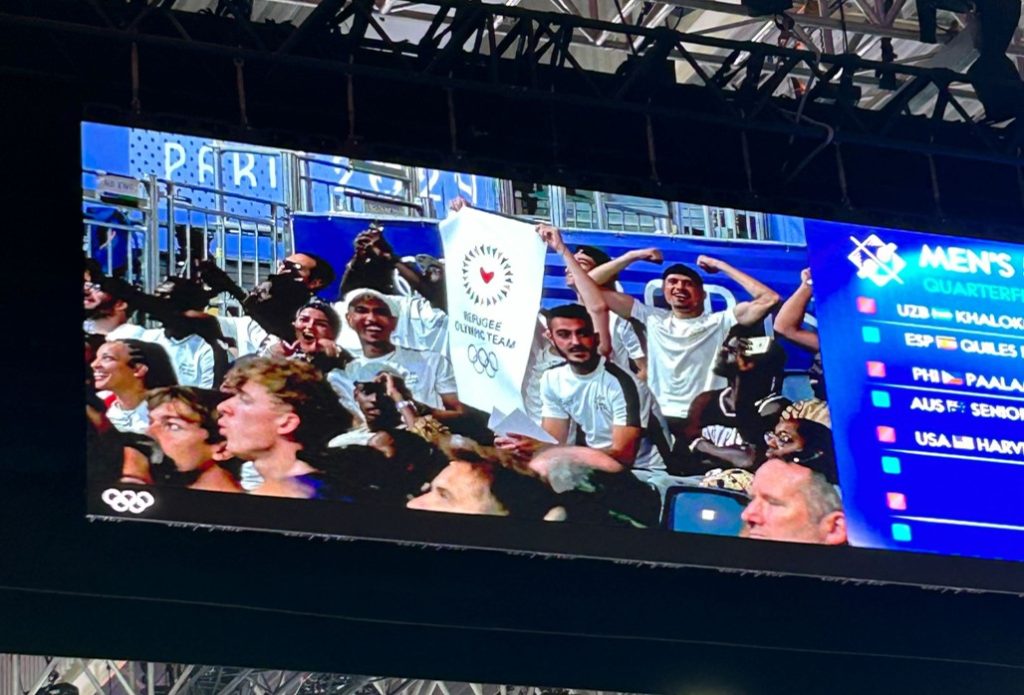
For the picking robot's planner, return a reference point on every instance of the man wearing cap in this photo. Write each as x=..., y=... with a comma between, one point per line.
x=795, y=502
x=683, y=340
x=427, y=374
x=422, y=322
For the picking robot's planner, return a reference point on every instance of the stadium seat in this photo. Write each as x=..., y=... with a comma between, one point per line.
x=693, y=509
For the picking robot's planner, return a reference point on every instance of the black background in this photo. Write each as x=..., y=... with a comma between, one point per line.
x=146, y=591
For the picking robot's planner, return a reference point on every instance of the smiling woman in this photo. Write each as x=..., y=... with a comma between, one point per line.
x=126, y=369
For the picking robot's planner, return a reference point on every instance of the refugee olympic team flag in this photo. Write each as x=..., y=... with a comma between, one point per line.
x=494, y=281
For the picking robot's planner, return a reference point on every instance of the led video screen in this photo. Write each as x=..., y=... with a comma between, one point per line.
x=313, y=344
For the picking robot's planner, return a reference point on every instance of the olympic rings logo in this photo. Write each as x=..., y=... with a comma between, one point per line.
x=128, y=500
x=483, y=361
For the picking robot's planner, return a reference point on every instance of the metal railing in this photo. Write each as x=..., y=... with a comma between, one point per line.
x=172, y=224
x=341, y=197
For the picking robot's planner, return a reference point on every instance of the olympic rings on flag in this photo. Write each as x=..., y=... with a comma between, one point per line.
x=128, y=500
x=483, y=361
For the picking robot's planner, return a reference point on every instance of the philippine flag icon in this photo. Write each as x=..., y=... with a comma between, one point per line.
x=952, y=378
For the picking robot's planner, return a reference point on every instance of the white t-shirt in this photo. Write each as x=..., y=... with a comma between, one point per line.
x=354, y=437
x=427, y=374
x=542, y=357
x=191, y=357
x=608, y=397
x=248, y=335
x=626, y=344
x=126, y=331
x=421, y=326
x=135, y=420
x=680, y=353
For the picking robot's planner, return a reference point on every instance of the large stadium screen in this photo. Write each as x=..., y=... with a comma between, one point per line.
x=314, y=344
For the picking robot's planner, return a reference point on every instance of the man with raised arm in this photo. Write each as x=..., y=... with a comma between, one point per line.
x=422, y=319
x=683, y=340
x=789, y=323
x=627, y=346
x=610, y=405
x=270, y=307
x=427, y=374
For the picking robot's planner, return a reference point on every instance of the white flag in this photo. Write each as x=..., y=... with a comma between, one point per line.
x=494, y=276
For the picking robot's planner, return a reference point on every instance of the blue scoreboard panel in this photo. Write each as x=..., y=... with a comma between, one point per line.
x=923, y=345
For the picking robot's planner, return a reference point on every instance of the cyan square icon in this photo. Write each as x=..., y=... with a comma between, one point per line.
x=880, y=399
x=871, y=334
x=901, y=532
x=891, y=465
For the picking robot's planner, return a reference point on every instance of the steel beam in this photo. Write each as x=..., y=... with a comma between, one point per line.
x=181, y=680
x=524, y=39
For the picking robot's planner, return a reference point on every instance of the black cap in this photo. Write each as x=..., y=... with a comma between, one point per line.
x=682, y=269
x=599, y=257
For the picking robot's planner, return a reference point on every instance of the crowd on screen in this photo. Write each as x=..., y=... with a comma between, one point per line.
x=356, y=401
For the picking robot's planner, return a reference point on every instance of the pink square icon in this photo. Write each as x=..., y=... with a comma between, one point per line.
x=886, y=435
x=876, y=370
x=896, y=500
x=866, y=305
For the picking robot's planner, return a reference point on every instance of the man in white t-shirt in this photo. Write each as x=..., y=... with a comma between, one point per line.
x=422, y=322
x=190, y=355
x=178, y=303
x=612, y=408
x=427, y=374
x=683, y=340
x=419, y=326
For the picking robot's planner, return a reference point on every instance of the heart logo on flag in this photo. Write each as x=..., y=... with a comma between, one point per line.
x=486, y=274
